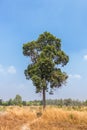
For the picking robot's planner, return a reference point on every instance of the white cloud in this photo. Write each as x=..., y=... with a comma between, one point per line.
x=70, y=75
x=76, y=76
x=11, y=70
x=85, y=57
x=1, y=69
x=7, y=70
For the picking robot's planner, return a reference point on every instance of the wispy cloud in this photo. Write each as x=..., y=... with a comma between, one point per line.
x=75, y=76
x=7, y=70
x=85, y=57
x=1, y=69
x=11, y=70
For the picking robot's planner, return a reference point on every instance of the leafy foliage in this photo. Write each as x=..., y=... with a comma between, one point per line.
x=55, y=102
x=18, y=100
x=46, y=57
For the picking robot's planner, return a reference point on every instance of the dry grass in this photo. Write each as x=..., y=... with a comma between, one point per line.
x=27, y=118
x=14, y=117
x=60, y=119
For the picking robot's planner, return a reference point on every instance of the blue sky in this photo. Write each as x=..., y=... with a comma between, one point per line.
x=22, y=21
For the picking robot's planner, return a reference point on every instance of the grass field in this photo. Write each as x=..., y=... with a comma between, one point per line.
x=33, y=118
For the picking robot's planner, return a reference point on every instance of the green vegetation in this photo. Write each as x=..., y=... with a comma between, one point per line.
x=52, y=102
x=46, y=60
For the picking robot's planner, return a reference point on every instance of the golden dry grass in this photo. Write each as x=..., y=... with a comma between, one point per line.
x=30, y=118
x=14, y=117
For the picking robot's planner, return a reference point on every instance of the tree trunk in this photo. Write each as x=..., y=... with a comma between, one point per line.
x=44, y=98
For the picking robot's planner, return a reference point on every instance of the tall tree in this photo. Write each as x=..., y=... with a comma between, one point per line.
x=17, y=100
x=46, y=58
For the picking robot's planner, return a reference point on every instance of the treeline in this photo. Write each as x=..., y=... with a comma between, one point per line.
x=18, y=101
x=66, y=102
x=57, y=102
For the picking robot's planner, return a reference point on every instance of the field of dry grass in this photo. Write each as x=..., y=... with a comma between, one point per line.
x=33, y=118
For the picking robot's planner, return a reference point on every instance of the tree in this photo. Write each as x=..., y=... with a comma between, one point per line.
x=44, y=68
x=0, y=101
x=10, y=102
x=17, y=100
x=24, y=103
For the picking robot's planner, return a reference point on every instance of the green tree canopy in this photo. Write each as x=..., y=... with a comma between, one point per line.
x=46, y=58
x=17, y=100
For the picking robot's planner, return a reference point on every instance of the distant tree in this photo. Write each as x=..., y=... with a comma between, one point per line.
x=0, y=101
x=85, y=103
x=44, y=69
x=68, y=102
x=18, y=100
x=24, y=103
x=10, y=102
x=5, y=103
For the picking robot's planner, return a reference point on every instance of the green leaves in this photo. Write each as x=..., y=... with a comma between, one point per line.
x=57, y=78
x=45, y=65
x=45, y=54
x=37, y=82
x=61, y=58
x=31, y=49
